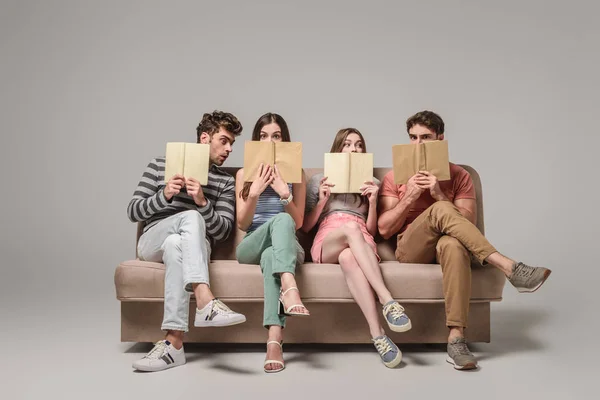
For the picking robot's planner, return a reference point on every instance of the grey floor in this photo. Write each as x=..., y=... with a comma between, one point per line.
x=542, y=347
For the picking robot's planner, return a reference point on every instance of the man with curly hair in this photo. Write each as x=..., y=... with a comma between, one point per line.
x=182, y=220
x=436, y=222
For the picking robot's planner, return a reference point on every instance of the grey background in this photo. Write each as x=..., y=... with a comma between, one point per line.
x=90, y=91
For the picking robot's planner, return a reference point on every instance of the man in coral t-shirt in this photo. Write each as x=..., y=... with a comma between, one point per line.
x=435, y=222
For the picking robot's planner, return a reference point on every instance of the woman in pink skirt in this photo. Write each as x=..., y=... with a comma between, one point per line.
x=346, y=226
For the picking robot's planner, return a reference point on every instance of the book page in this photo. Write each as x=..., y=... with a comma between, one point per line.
x=361, y=170
x=436, y=159
x=288, y=158
x=404, y=157
x=336, y=167
x=197, y=161
x=174, y=159
x=255, y=153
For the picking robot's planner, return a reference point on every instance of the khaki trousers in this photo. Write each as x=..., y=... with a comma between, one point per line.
x=442, y=234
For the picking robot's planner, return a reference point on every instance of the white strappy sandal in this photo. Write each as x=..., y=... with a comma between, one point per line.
x=274, y=361
x=288, y=311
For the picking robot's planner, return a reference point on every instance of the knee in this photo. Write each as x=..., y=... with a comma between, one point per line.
x=284, y=218
x=193, y=217
x=450, y=245
x=347, y=260
x=266, y=257
x=443, y=207
x=171, y=245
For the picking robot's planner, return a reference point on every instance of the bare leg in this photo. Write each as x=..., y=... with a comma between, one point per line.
x=203, y=294
x=355, y=279
x=350, y=236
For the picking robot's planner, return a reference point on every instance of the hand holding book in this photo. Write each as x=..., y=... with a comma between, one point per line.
x=174, y=186
x=427, y=181
x=324, y=190
x=263, y=179
x=194, y=189
x=278, y=184
x=370, y=190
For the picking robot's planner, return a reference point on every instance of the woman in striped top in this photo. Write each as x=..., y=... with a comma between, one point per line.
x=271, y=211
x=347, y=223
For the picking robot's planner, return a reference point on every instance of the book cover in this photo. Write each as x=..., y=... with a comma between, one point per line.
x=408, y=159
x=348, y=171
x=286, y=155
x=188, y=159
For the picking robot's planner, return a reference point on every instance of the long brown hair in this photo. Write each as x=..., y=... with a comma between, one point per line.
x=266, y=119
x=340, y=138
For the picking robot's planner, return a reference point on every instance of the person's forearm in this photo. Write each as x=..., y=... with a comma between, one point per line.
x=394, y=219
x=311, y=219
x=372, y=219
x=246, y=213
x=296, y=213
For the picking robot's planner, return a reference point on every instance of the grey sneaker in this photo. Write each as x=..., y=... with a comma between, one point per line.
x=528, y=279
x=394, y=314
x=389, y=352
x=459, y=355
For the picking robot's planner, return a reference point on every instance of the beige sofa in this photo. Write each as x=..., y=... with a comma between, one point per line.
x=335, y=317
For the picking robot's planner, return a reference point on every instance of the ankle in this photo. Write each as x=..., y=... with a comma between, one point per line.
x=455, y=332
x=175, y=338
x=203, y=294
x=377, y=332
x=203, y=301
x=385, y=299
x=287, y=280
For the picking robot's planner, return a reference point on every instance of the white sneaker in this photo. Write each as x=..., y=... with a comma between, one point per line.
x=162, y=356
x=216, y=313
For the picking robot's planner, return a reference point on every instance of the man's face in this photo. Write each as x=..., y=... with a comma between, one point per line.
x=221, y=144
x=421, y=134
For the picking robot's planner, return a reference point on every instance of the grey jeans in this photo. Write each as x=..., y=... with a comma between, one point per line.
x=180, y=242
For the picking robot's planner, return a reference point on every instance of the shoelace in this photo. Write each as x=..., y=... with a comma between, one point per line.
x=160, y=348
x=219, y=307
x=524, y=271
x=382, y=346
x=462, y=349
x=395, y=309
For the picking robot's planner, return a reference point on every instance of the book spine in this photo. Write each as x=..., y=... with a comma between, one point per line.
x=348, y=175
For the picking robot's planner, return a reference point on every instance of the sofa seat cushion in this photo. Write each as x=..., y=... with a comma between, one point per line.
x=137, y=280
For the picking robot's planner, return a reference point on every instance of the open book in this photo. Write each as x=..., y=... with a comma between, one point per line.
x=188, y=159
x=348, y=171
x=286, y=155
x=409, y=159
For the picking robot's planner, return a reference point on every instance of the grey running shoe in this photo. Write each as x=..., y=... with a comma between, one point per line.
x=394, y=314
x=528, y=279
x=459, y=355
x=389, y=352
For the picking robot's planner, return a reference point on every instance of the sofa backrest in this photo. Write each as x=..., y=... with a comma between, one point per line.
x=386, y=248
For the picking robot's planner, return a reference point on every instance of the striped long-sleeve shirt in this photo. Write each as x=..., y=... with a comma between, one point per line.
x=150, y=205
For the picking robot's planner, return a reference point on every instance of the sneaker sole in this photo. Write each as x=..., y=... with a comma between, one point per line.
x=467, y=366
x=395, y=362
x=147, y=368
x=533, y=289
x=209, y=324
x=401, y=328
